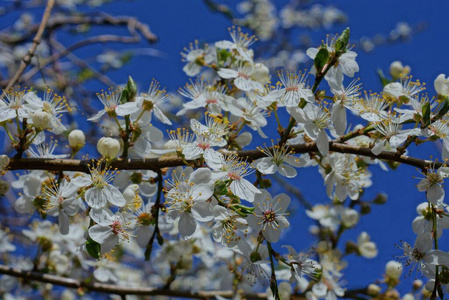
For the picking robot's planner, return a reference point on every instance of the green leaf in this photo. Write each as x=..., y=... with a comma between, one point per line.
x=444, y=108
x=425, y=114
x=125, y=95
x=321, y=58
x=222, y=56
x=93, y=248
x=382, y=78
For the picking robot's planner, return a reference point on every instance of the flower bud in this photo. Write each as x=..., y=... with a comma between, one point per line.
x=4, y=162
x=417, y=284
x=397, y=70
x=41, y=120
x=408, y=297
x=350, y=217
x=261, y=73
x=108, y=147
x=441, y=85
x=77, y=139
x=393, y=269
x=4, y=187
x=373, y=289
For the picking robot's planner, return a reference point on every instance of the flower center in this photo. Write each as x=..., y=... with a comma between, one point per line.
x=269, y=216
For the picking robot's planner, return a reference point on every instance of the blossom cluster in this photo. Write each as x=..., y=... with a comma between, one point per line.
x=219, y=208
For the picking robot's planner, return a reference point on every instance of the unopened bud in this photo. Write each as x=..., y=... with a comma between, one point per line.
x=380, y=199
x=408, y=297
x=4, y=187
x=261, y=73
x=393, y=269
x=373, y=289
x=397, y=70
x=108, y=147
x=441, y=85
x=77, y=139
x=417, y=284
x=4, y=162
x=41, y=120
x=350, y=217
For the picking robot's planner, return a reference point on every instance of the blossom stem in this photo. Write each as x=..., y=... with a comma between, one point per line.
x=435, y=236
x=273, y=281
x=155, y=211
x=8, y=133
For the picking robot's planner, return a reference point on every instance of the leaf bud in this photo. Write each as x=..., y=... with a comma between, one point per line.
x=132, y=89
x=380, y=199
x=342, y=41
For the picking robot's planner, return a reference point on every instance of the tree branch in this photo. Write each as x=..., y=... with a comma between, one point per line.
x=36, y=41
x=103, y=19
x=56, y=164
x=118, y=290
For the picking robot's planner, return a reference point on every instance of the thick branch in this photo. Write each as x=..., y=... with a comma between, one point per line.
x=114, y=289
x=36, y=41
x=54, y=164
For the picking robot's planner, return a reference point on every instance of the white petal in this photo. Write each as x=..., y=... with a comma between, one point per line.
x=186, y=225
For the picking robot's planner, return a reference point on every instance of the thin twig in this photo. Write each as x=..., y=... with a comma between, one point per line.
x=36, y=41
x=102, y=19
